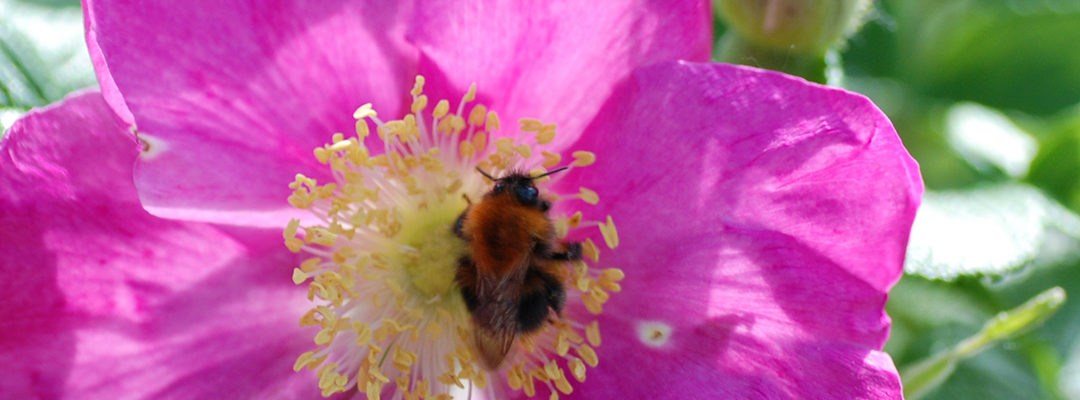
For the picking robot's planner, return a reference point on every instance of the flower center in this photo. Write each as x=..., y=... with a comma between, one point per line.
x=426, y=267
x=384, y=258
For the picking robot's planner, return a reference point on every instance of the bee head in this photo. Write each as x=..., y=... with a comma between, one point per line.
x=521, y=187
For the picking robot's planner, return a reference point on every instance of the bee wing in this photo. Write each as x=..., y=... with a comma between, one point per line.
x=496, y=317
x=493, y=345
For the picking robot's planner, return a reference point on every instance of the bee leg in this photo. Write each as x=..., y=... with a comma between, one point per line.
x=571, y=252
x=556, y=294
x=466, y=281
x=459, y=224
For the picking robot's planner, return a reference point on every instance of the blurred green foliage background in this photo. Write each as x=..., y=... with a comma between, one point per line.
x=984, y=93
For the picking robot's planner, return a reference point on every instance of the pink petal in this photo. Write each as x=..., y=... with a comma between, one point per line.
x=103, y=300
x=555, y=61
x=759, y=216
x=237, y=94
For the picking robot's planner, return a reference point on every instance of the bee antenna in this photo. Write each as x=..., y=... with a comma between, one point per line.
x=549, y=173
x=485, y=174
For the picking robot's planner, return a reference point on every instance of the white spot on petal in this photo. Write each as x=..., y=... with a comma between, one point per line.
x=654, y=333
x=151, y=146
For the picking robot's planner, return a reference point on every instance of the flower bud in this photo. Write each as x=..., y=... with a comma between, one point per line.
x=803, y=26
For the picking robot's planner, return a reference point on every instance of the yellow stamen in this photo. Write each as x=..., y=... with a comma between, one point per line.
x=441, y=109
x=365, y=111
x=492, y=121
x=530, y=125
x=611, y=236
x=583, y=158
x=383, y=256
x=588, y=196
x=545, y=135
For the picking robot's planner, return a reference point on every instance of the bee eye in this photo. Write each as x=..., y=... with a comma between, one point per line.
x=499, y=186
x=526, y=194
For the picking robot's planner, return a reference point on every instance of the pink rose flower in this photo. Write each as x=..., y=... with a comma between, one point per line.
x=761, y=219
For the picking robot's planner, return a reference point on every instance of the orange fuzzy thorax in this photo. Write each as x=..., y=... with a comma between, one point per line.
x=503, y=231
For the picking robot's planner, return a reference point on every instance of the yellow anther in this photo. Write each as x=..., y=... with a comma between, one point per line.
x=523, y=150
x=308, y=360
x=588, y=355
x=325, y=336
x=610, y=286
x=562, y=345
x=530, y=125
x=588, y=196
x=592, y=332
x=364, y=111
x=418, y=86
x=457, y=124
x=580, y=268
x=322, y=154
x=471, y=94
x=539, y=374
x=309, y=319
x=575, y=219
x=513, y=378
x=373, y=390
x=611, y=236
x=331, y=381
x=592, y=305
x=476, y=116
x=441, y=108
x=583, y=158
x=590, y=251
x=291, y=241
x=449, y=378
x=573, y=336
x=479, y=142
x=550, y=159
x=613, y=274
x=362, y=129
x=377, y=375
x=582, y=284
x=562, y=227
x=527, y=385
x=599, y=294
x=299, y=276
x=492, y=121
x=546, y=134
x=403, y=359
x=328, y=316
x=310, y=264
x=504, y=145
x=467, y=150
x=419, y=104
x=559, y=378
x=577, y=368
x=363, y=333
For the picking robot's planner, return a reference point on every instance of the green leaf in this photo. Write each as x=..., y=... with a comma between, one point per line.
x=989, y=140
x=989, y=231
x=926, y=375
x=1006, y=54
x=42, y=53
x=1056, y=364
